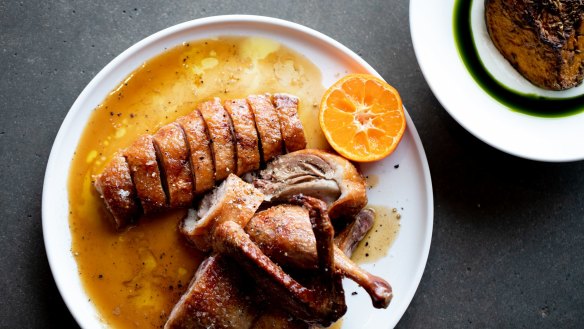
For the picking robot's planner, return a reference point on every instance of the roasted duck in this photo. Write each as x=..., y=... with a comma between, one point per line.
x=262, y=294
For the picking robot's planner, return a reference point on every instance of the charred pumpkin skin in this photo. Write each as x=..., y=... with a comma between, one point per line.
x=541, y=39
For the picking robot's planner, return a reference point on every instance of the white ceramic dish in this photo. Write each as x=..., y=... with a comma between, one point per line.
x=408, y=187
x=544, y=139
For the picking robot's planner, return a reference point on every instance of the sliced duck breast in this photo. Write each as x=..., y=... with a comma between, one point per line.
x=267, y=125
x=290, y=124
x=173, y=154
x=117, y=190
x=246, y=136
x=222, y=141
x=141, y=158
x=201, y=157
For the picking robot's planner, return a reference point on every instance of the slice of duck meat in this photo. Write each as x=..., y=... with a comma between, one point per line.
x=218, y=297
x=328, y=177
x=267, y=125
x=141, y=158
x=173, y=154
x=201, y=157
x=290, y=124
x=348, y=239
x=234, y=200
x=222, y=141
x=246, y=136
x=117, y=190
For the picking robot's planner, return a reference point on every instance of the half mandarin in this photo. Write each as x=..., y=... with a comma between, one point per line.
x=362, y=117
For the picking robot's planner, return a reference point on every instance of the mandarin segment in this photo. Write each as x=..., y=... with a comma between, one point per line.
x=362, y=117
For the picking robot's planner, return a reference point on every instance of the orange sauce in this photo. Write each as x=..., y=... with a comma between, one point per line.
x=135, y=277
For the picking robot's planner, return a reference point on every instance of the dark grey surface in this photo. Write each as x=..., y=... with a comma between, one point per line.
x=508, y=233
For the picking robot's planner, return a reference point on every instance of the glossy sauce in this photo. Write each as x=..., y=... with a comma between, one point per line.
x=135, y=277
x=379, y=239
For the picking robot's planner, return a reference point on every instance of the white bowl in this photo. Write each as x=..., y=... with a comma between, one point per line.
x=538, y=138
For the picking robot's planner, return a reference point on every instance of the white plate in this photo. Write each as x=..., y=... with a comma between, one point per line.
x=538, y=138
x=409, y=186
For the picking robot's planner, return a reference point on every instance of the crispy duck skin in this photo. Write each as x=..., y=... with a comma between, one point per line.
x=269, y=315
x=220, y=131
x=290, y=125
x=346, y=240
x=115, y=186
x=285, y=235
x=218, y=297
x=267, y=124
x=246, y=136
x=172, y=151
x=141, y=158
x=199, y=145
x=322, y=301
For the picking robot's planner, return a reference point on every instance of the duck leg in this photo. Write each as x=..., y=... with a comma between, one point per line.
x=284, y=234
x=321, y=304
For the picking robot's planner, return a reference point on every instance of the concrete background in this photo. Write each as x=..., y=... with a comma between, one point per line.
x=507, y=248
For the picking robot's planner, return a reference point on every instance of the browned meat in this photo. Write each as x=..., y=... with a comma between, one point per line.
x=141, y=158
x=284, y=234
x=173, y=155
x=218, y=297
x=278, y=319
x=322, y=301
x=267, y=125
x=234, y=200
x=246, y=136
x=348, y=239
x=316, y=173
x=116, y=188
x=543, y=40
x=222, y=140
x=221, y=273
x=199, y=146
x=185, y=158
x=290, y=124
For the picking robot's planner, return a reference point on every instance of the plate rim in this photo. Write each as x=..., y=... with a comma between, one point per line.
x=54, y=161
x=433, y=81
